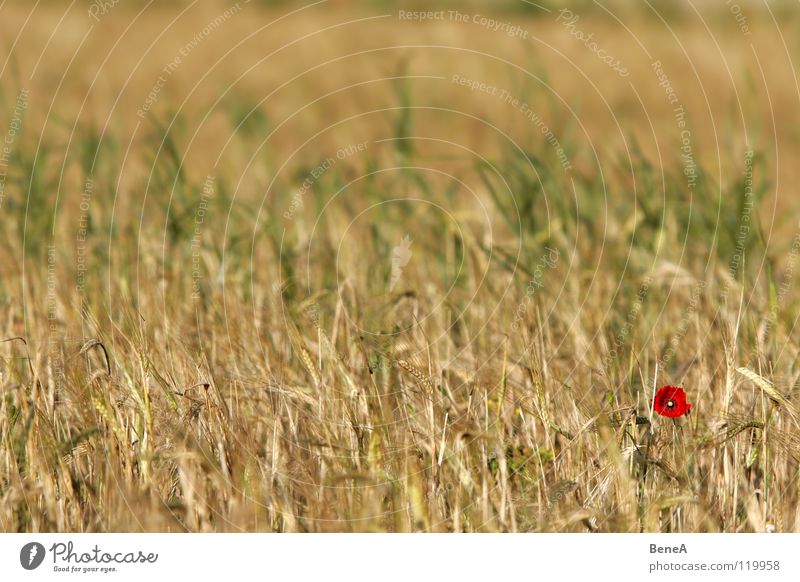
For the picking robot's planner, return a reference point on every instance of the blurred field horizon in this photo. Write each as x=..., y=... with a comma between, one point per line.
x=378, y=266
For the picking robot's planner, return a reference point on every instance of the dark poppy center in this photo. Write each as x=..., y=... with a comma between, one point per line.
x=670, y=403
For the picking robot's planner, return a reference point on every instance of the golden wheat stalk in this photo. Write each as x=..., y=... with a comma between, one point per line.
x=308, y=363
x=769, y=389
x=304, y=354
x=414, y=371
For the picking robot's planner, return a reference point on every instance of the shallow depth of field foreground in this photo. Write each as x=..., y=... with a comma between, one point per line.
x=267, y=266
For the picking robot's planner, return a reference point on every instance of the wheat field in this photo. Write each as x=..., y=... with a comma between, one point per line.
x=348, y=266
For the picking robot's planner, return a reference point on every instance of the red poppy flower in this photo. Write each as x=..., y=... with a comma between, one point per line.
x=670, y=401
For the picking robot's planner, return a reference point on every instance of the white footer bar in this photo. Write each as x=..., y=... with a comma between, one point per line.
x=386, y=557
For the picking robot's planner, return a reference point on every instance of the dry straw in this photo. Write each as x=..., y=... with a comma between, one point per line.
x=769, y=389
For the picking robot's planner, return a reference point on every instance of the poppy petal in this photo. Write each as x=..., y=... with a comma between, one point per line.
x=670, y=401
